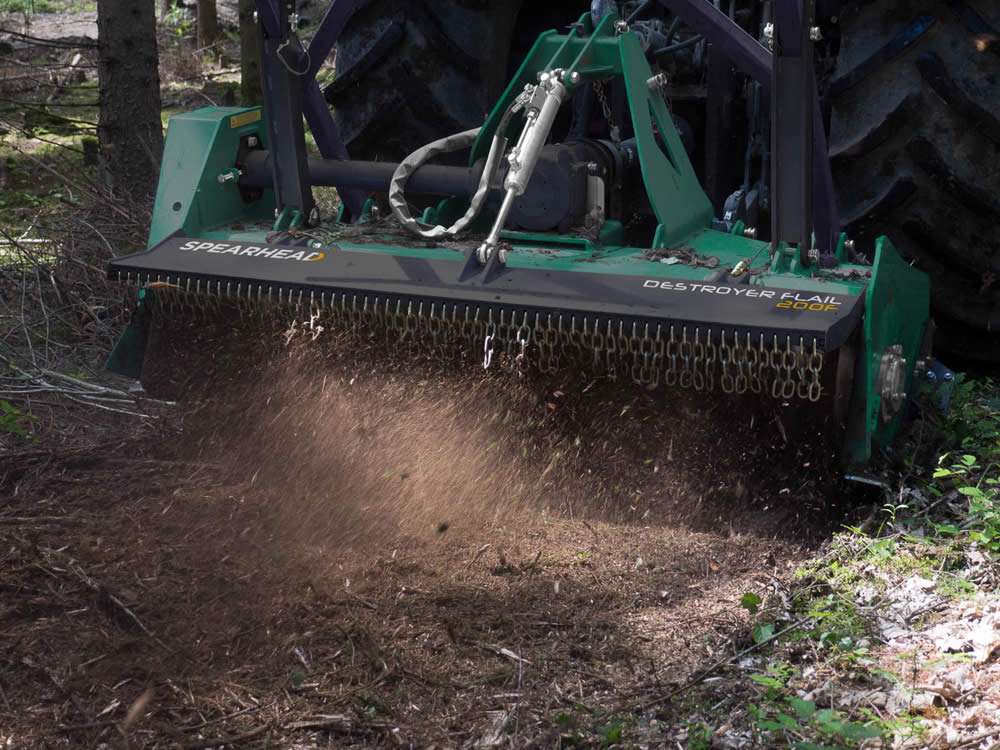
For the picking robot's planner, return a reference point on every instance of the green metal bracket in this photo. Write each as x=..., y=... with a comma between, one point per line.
x=897, y=308
x=130, y=351
x=366, y=211
x=200, y=147
x=681, y=206
x=841, y=251
x=289, y=218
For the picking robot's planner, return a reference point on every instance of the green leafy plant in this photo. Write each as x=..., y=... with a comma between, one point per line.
x=611, y=733
x=810, y=727
x=761, y=630
x=981, y=488
x=178, y=20
x=10, y=421
x=699, y=735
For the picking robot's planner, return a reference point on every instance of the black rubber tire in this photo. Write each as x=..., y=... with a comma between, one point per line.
x=915, y=146
x=411, y=71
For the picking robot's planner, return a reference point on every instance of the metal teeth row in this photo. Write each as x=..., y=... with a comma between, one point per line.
x=689, y=356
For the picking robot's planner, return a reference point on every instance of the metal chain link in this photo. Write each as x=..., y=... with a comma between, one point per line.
x=613, y=130
x=692, y=357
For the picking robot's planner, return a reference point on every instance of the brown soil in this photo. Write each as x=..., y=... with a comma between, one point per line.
x=317, y=548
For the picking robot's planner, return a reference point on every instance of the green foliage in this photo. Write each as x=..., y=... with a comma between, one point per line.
x=973, y=429
x=11, y=419
x=981, y=486
x=761, y=630
x=611, y=733
x=27, y=7
x=179, y=21
x=699, y=736
x=780, y=714
x=751, y=603
x=973, y=424
x=591, y=728
x=31, y=7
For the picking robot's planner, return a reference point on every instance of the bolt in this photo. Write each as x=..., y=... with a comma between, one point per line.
x=314, y=216
x=253, y=141
x=769, y=35
x=255, y=16
x=949, y=376
x=317, y=244
x=813, y=255
x=750, y=232
x=849, y=245
x=225, y=177
x=659, y=81
x=621, y=27
x=930, y=375
x=276, y=212
x=815, y=34
x=574, y=78
x=502, y=255
x=592, y=167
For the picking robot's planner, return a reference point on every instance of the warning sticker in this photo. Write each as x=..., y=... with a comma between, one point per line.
x=244, y=118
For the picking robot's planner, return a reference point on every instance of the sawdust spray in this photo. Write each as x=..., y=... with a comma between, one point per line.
x=337, y=445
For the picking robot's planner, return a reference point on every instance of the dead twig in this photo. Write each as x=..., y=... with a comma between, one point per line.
x=500, y=651
x=234, y=739
x=340, y=723
x=28, y=520
x=479, y=553
x=975, y=739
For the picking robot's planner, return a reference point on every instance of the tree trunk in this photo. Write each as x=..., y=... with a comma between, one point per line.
x=164, y=9
x=208, y=23
x=128, y=126
x=250, y=86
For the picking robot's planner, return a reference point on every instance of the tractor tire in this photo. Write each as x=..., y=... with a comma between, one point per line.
x=915, y=149
x=411, y=71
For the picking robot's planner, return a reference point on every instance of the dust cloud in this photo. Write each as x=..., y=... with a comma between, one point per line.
x=339, y=443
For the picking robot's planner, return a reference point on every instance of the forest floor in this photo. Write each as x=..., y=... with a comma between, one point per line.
x=289, y=541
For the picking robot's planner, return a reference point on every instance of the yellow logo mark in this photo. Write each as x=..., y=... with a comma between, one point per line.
x=319, y=256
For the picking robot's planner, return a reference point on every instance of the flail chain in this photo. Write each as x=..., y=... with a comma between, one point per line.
x=698, y=357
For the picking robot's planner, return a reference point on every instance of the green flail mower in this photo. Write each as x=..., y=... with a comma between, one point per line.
x=527, y=256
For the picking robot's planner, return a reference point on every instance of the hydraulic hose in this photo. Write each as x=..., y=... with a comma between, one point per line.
x=456, y=142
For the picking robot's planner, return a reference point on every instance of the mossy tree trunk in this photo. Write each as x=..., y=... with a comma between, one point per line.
x=129, y=129
x=250, y=85
x=208, y=23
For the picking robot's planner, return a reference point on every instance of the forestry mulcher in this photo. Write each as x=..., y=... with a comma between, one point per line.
x=526, y=247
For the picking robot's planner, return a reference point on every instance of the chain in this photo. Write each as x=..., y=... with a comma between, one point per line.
x=606, y=109
x=649, y=354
